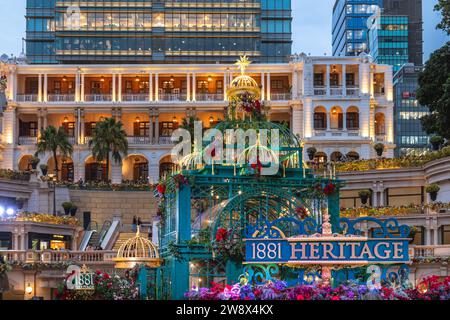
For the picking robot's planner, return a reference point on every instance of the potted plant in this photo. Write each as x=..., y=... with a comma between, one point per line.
x=34, y=161
x=311, y=151
x=412, y=233
x=44, y=169
x=379, y=149
x=433, y=190
x=436, y=142
x=67, y=206
x=73, y=210
x=364, y=196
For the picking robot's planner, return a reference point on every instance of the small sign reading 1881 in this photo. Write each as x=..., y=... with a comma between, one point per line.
x=306, y=250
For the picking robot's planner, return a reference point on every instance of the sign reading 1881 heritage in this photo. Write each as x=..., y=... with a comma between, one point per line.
x=327, y=250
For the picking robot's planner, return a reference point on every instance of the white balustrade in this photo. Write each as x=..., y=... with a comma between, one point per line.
x=27, y=98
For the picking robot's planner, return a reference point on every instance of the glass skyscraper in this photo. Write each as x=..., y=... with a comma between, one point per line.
x=349, y=34
x=350, y=25
x=388, y=40
x=170, y=31
x=409, y=136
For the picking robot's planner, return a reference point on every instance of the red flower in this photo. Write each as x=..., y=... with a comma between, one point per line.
x=329, y=189
x=257, y=105
x=221, y=234
x=257, y=166
x=335, y=298
x=300, y=297
x=161, y=188
x=301, y=212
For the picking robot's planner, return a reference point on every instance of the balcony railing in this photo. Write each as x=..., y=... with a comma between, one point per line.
x=135, y=97
x=27, y=98
x=336, y=133
x=98, y=97
x=320, y=90
x=209, y=97
x=27, y=141
x=49, y=256
x=431, y=251
x=61, y=98
x=139, y=140
x=336, y=90
x=281, y=96
x=353, y=91
x=165, y=141
x=172, y=97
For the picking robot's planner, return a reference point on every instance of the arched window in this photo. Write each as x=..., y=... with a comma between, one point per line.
x=352, y=156
x=320, y=118
x=320, y=157
x=336, y=156
x=336, y=118
x=380, y=127
x=352, y=118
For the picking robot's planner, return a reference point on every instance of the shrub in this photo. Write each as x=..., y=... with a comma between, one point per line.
x=432, y=188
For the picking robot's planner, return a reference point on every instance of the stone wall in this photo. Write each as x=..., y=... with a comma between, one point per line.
x=104, y=205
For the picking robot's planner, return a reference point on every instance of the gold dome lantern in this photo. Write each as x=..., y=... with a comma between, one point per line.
x=243, y=84
x=137, y=251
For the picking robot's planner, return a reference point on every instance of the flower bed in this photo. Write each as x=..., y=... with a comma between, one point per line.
x=429, y=289
x=395, y=163
x=43, y=218
x=14, y=175
x=390, y=211
x=106, y=186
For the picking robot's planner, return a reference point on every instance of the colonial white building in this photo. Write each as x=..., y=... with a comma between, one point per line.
x=340, y=105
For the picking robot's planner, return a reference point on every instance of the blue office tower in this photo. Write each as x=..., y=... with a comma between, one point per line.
x=157, y=31
x=349, y=28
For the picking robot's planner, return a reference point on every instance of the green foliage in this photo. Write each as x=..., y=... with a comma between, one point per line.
x=444, y=7
x=436, y=140
x=67, y=205
x=56, y=142
x=432, y=188
x=434, y=92
x=378, y=147
x=35, y=160
x=14, y=175
x=109, y=138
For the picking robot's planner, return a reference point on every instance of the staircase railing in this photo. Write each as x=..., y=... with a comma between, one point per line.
x=103, y=231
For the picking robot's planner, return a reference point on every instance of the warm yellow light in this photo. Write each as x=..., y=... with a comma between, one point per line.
x=211, y=119
x=138, y=119
x=210, y=78
x=174, y=120
x=66, y=120
x=29, y=289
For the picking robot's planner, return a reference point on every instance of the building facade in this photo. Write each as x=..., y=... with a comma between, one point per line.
x=350, y=26
x=388, y=40
x=171, y=31
x=409, y=135
x=339, y=105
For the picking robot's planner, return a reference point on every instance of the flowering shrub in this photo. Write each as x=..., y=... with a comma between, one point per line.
x=329, y=189
x=227, y=247
x=106, y=287
x=14, y=175
x=43, y=218
x=430, y=289
x=390, y=211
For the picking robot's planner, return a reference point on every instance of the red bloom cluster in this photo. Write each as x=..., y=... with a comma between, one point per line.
x=180, y=180
x=257, y=167
x=221, y=235
x=329, y=189
x=161, y=188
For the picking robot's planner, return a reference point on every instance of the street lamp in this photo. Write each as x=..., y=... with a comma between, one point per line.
x=53, y=183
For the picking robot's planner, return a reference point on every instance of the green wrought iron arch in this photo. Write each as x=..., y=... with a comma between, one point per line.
x=242, y=209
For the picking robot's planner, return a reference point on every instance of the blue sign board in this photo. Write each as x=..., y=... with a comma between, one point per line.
x=327, y=251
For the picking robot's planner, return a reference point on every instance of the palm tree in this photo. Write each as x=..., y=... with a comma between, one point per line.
x=54, y=140
x=109, y=137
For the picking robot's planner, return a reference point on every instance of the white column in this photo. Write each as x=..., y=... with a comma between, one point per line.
x=263, y=87
x=82, y=128
x=327, y=80
x=435, y=236
x=116, y=172
x=45, y=87
x=156, y=87
x=344, y=80
x=225, y=86
x=77, y=87
x=39, y=117
x=150, y=87
x=295, y=84
x=150, y=129
x=382, y=200
x=268, y=98
x=82, y=87
x=308, y=117
x=427, y=236
x=296, y=120
x=119, y=94
x=188, y=87
x=157, y=128
x=45, y=113
x=194, y=86
x=114, y=87
x=40, y=88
